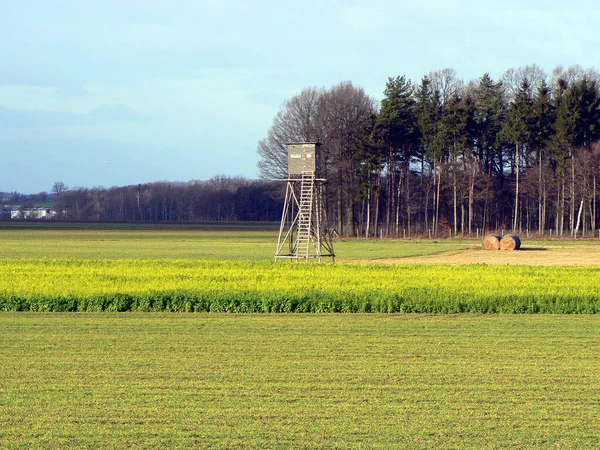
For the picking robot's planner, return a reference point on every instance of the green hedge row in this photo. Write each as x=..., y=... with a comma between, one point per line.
x=416, y=302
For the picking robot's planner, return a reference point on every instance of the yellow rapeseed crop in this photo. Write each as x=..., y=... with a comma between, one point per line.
x=217, y=286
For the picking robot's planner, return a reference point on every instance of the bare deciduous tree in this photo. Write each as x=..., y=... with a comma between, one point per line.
x=296, y=121
x=447, y=83
x=59, y=188
x=331, y=117
x=562, y=78
x=513, y=79
x=343, y=110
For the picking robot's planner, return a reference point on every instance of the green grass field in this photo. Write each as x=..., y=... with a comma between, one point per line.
x=156, y=380
x=183, y=243
x=299, y=381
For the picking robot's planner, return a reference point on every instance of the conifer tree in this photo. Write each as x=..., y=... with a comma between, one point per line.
x=489, y=115
x=396, y=124
x=518, y=130
x=543, y=132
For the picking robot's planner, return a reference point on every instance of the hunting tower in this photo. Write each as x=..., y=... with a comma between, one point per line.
x=304, y=233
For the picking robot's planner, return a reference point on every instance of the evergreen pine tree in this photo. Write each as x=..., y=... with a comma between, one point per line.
x=396, y=124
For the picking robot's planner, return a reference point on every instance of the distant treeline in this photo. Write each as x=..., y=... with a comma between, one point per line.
x=219, y=199
x=445, y=156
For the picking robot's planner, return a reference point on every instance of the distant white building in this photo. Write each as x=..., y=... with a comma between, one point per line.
x=32, y=213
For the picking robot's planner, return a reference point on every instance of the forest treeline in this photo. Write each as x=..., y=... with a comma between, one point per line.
x=221, y=198
x=449, y=157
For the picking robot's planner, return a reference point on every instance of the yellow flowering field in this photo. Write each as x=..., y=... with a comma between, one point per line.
x=40, y=284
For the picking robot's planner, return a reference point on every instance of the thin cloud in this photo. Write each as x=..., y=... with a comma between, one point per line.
x=104, y=114
x=71, y=90
x=265, y=98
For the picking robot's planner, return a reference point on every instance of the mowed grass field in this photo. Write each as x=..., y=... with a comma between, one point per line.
x=156, y=380
x=255, y=244
x=299, y=381
x=230, y=244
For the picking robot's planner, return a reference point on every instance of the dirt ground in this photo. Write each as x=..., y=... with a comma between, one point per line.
x=564, y=255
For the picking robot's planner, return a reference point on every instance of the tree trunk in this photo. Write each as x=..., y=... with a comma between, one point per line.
x=139, y=207
x=455, y=199
x=578, y=218
x=526, y=216
x=462, y=218
x=368, y=219
x=398, y=203
x=540, y=196
x=426, y=190
x=350, y=204
x=377, y=201
x=433, y=194
x=437, y=199
x=471, y=195
x=390, y=190
x=594, y=206
x=562, y=209
x=572, y=205
x=556, y=217
x=426, y=207
x=544, y=207
x=340, y=204
x=407, y=201
x=591, y=211
x=516, y=216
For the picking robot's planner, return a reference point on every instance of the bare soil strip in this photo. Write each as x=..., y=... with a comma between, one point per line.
x=579, y=255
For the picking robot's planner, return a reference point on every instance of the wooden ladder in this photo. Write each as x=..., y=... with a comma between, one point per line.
x=303, y=236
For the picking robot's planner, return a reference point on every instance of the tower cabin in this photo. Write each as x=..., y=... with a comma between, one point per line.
x=304, y=157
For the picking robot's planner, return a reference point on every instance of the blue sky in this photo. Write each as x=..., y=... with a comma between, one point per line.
x=117, y=92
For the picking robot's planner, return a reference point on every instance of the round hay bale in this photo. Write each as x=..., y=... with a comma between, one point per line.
x=491, y=242
x=510, y=242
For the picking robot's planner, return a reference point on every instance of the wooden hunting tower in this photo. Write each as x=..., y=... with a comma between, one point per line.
x=304, y=232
